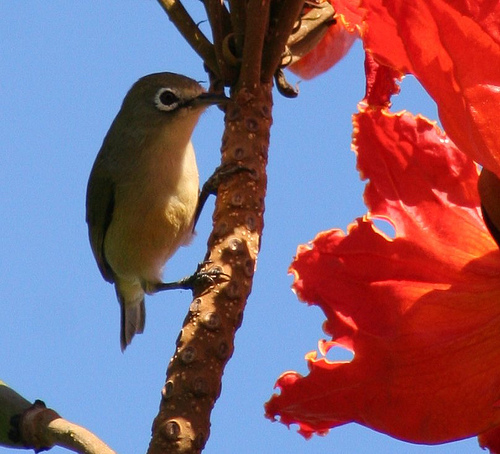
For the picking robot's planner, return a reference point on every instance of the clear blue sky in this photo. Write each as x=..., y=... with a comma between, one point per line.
x=64, y=69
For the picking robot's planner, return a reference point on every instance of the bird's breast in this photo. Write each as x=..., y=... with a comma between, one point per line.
x=153, y=214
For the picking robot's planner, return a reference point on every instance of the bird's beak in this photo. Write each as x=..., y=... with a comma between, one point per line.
x=207, y=98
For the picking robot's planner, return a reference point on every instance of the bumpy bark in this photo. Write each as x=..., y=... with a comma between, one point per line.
x=206, y=341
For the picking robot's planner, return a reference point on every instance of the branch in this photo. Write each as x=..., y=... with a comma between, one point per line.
x=220, y=23
x=237, y=10
x=280, y=30
x=191, y=33
x=206, y=341
x=257, y=20
x=34, y=426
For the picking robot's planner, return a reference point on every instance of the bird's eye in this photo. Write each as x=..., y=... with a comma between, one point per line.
x=166, y=99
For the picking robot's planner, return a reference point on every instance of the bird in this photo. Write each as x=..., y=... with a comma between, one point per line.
x=143, y=188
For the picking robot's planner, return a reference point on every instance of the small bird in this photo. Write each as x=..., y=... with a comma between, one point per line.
x=143, y=189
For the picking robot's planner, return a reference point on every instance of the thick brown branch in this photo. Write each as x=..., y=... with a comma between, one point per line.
x=206, y=341
x=280, y=28
x=192, y=34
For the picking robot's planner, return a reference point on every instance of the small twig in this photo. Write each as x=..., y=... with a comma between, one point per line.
x=238, y=20
x=191, y=33
x=257, y=20
x=277, y=37
x=220, y=23
x=76, y=438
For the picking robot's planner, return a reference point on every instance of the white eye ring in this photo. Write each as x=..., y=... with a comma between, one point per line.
x=167, y=99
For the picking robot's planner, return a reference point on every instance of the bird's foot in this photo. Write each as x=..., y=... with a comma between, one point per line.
x=198, y=282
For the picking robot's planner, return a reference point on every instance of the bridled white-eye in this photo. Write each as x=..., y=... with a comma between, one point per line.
x=143, y=189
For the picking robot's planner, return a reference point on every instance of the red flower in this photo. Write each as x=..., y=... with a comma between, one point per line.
x=420, y=311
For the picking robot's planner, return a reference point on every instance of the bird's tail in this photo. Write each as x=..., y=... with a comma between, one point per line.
x=133, y=315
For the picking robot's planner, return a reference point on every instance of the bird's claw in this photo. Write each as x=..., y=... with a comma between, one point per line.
x=198, y=282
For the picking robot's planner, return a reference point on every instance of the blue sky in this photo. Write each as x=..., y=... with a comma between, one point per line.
x=64, y=69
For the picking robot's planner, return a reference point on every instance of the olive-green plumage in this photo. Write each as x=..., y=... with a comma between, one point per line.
x=143, y=189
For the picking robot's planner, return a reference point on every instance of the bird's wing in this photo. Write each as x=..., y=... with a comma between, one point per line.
x=100, y=205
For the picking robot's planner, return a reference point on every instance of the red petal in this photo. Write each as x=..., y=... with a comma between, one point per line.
x=490, y=440
x=350, y=12
x=420, y=311
x=452, y=47
x=381, y=83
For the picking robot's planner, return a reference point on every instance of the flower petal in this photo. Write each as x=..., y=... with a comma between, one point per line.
x=491, y=440
x=420, y=311
x=453, y=48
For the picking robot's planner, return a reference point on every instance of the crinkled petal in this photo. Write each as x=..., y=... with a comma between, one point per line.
x=453, y=48
x=420, y=311
x=350, y=12
x=381, y=83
